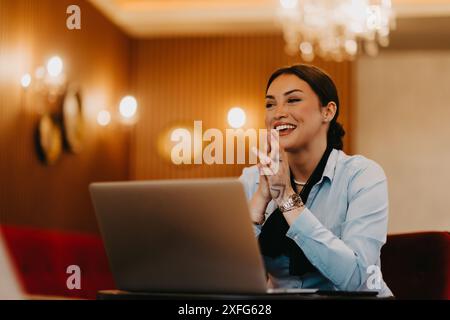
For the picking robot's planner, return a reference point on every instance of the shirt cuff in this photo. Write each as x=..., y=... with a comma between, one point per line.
x=304, y=226
x=257, y=229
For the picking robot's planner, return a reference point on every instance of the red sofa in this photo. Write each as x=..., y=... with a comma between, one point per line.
x=42, y=258
x=415, y=265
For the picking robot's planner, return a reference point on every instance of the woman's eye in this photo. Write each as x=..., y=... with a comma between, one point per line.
x=293, y=100
x=269, y=105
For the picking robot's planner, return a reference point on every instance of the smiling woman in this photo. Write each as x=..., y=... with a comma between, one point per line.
x=326, y=233
x=309, y=87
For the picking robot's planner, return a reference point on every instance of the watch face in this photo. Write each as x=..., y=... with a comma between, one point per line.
x=72, y=120
x=292, y=202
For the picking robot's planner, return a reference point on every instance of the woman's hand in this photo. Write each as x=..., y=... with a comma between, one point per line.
x=277, y=174
x=263, y=188
x=260, y=199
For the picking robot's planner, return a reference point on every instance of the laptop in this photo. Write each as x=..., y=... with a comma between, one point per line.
x=183, y=236
x=10, y=287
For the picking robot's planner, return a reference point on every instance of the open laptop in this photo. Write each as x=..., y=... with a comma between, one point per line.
x=192, y=236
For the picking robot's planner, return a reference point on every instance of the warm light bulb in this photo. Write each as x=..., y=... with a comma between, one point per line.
x=236, y=117
x=306, y=48
x=26, y=80
x=288, y=4
x=128, y=107
x=54, y=66
x=103, y=118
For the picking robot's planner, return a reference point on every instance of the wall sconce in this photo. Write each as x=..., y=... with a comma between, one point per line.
x=26, y=80
x=172, y=135
x=104, y=118
x=52, y=80
x=48, y=84
x=128, y=109
x=49, y=140
x=236, y=117
x=61, y=123
x=55, y=66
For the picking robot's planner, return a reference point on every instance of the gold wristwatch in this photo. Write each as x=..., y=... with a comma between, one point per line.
x=293, y=202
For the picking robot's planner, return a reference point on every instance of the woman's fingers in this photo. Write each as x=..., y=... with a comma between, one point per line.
x=268, y=138
x=265, y=162
x=261, y=173
x=276, y=153
x=265, y=170
x=275, y=146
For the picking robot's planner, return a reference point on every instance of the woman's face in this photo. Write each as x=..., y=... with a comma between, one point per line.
x=294, y=110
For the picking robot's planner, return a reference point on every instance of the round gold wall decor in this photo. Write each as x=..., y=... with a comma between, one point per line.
x=72, y=120
x=49, y=139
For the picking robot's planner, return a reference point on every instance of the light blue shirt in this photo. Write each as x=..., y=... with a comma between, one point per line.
x=341, y=230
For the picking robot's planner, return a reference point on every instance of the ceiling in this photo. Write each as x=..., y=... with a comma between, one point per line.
x=163, y=18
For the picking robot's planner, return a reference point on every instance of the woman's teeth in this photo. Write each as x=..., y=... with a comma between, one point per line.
x=284, y=127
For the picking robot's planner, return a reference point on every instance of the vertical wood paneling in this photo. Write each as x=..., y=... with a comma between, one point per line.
x=182, y=80
x=97, y=58
x=175, y=81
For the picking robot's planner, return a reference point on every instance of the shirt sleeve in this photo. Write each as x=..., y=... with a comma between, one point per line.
x=245, y=179
x=345, y=261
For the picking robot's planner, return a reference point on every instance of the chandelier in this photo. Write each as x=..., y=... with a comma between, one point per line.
x=335, y=29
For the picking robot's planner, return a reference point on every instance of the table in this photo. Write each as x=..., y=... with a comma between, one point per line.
x=124, y=295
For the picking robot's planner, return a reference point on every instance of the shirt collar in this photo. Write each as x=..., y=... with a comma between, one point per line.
x=331, y=165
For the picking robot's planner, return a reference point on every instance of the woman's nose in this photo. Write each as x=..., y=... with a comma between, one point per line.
x=280, y=112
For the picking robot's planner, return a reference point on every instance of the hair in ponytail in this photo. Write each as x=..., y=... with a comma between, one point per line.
x=335, y=135
x=324, y=87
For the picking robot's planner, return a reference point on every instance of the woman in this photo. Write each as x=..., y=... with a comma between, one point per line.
x=321, y=217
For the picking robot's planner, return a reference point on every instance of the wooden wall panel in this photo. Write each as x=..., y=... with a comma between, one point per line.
x=182, y=80
x=97, y=57
x=175, y=81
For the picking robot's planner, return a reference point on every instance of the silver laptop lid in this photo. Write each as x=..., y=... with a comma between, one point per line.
x=179, y=236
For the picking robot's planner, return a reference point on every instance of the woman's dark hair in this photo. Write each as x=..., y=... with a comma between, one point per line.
x=324, y=87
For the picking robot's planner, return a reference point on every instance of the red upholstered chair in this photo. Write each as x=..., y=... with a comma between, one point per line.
x=42, y=258
x=417, y=265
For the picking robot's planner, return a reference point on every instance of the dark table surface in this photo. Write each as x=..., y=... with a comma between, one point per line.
x=125, y=295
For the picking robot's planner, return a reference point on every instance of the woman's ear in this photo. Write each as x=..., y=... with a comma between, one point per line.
x=329, y=111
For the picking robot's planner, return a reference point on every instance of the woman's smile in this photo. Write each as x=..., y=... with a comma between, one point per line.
x=284, y=128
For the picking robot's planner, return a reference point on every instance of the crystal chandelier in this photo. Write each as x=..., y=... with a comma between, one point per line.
x=335, y=29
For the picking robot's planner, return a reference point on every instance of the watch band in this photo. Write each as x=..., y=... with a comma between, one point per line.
x=293, y=202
